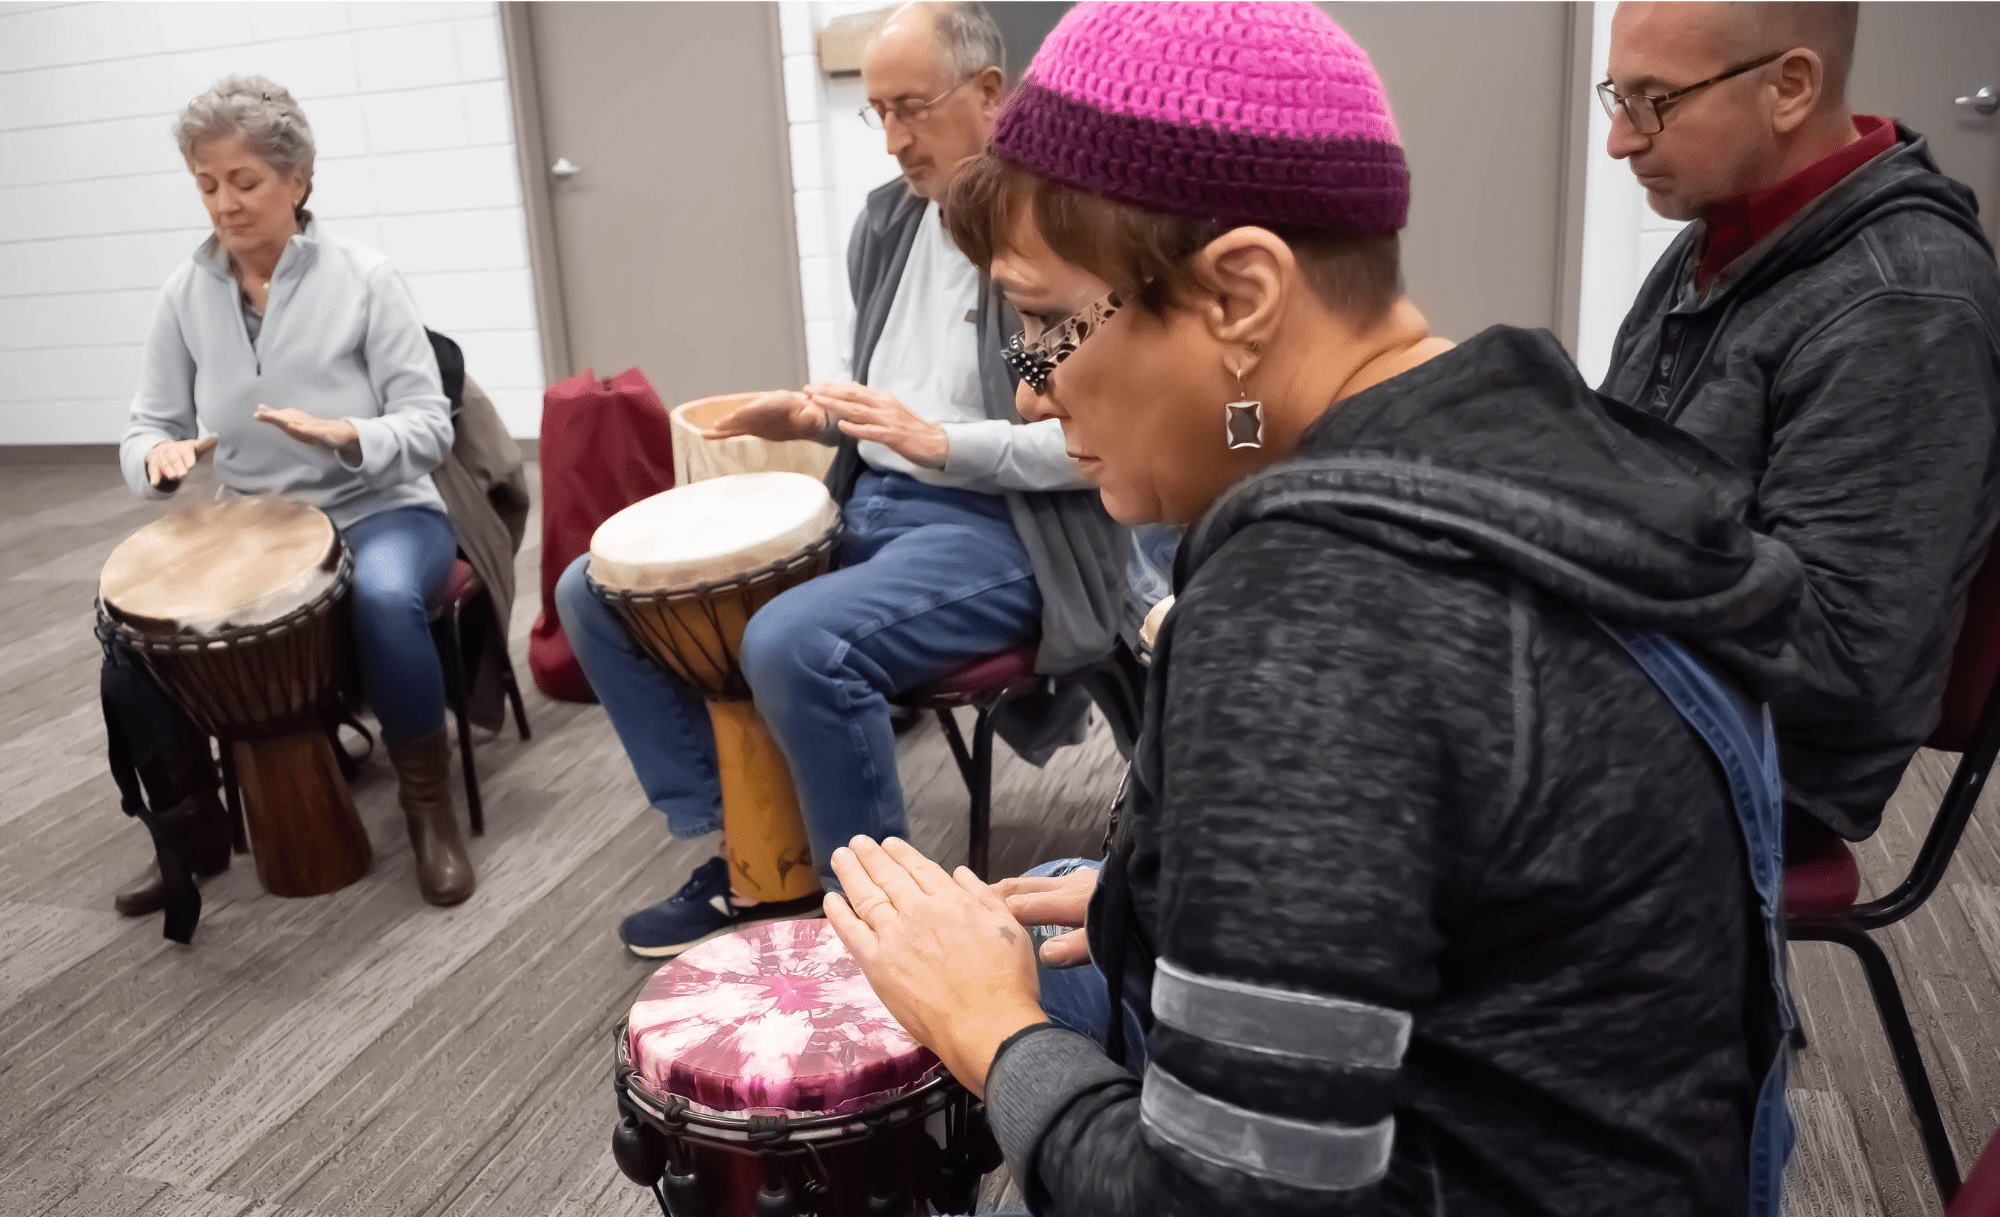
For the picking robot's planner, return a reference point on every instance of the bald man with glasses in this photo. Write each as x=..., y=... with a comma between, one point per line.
x=967, y=533
x=1829, y=321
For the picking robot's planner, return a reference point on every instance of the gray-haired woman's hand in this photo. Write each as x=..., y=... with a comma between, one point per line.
x=170, y=460
x=335, y=433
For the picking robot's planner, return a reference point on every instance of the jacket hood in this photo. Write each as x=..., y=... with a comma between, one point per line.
x=1497, y=452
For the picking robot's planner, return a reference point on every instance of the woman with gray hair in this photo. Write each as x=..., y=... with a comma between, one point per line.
x=302, y=356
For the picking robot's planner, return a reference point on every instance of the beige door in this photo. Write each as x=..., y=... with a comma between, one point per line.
x=1913, y=61
x=1492, y=183
x=656, y=165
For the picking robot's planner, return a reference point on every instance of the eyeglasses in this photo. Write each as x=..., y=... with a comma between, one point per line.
x=1648, y=110
x=908, y=111
x=1034, y=359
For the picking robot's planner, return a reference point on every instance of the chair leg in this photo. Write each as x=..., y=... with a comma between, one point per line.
x=452, y=659
x=513, y=688
x=1888, y=998
x=979, y=782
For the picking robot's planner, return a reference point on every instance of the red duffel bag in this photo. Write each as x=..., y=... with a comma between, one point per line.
x=605, y=445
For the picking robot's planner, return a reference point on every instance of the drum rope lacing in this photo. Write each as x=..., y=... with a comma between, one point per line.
x=669, y=642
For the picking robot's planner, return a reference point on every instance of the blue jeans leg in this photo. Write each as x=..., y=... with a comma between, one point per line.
x=933, y=580
x=662, y=723
x=401, y=558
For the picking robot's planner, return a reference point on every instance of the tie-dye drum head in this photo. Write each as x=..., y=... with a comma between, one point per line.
x=774, y=1019
x=759, y=1076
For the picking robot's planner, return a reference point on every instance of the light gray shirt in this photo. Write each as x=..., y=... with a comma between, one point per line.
x=340, y=338
x=928, y=358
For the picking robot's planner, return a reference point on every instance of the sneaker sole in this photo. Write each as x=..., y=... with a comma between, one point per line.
x=668, y=952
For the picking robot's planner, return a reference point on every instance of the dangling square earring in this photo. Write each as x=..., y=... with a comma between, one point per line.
x=1243, y=419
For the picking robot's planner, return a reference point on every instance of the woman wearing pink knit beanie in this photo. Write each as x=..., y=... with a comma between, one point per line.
x=1446, y=879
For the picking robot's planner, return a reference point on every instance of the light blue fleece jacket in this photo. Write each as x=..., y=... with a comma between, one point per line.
x=340, y=339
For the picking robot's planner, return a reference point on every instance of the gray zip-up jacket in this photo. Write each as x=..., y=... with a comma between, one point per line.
x=1850, y=364
x=1436, y=903
x=1078, y=551
x=341, y=339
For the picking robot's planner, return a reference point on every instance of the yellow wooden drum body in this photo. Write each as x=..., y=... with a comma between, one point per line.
x=686, y=570
x=235, y=607
x=699, y=460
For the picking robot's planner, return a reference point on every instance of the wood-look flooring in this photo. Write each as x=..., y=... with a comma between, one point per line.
x=364, y=1053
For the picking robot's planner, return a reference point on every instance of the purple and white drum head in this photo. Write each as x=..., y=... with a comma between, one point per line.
x=773, y=1020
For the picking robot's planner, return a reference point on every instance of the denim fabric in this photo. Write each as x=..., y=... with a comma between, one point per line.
x=930, y=579
x=1078, y=998
x=1746, y=746
x=401, y=559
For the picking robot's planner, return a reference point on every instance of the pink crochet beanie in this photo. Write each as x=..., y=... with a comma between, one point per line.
x=1258, y=112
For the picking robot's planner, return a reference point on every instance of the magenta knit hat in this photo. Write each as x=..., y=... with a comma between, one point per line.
x=1258, y=112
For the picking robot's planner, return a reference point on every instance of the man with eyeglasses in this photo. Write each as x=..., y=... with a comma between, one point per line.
x=1831, y=323
x=967, y=533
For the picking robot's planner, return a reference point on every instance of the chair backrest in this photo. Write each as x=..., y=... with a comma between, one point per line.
x=1975, y=660
x=1979, y=1195
x=1969, y=724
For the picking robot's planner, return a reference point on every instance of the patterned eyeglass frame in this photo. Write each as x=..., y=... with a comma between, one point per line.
x=1035, y=362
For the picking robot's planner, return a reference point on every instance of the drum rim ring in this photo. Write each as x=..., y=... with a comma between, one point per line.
x=674, y=1116
x=769, y=571
x=180, y=643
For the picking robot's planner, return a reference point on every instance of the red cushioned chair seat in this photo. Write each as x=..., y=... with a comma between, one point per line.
x=990, y=676
x=459, y=586
x=1979, y=1195
x=1821, y=879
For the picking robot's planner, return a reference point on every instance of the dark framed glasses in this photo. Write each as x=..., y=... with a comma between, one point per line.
x=1034, y=360
x=1648, y=111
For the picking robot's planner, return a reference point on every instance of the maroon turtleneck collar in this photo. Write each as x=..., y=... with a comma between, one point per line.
x=1737, y=224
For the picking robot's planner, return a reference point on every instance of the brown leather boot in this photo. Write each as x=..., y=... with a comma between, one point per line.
x=208, y=837
x=423, y=778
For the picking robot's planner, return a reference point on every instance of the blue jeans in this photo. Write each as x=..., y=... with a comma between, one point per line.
x=1078, y=998
x=401, y=559
x=929, y=580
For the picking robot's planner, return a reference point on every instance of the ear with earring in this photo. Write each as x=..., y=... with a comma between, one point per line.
x=1243, y=419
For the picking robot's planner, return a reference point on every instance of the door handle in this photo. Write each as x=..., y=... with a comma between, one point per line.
x=1986, y=101
x=564, y=168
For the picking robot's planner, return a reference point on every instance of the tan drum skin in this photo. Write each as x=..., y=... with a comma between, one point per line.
x=716, y=586
x=697, y=459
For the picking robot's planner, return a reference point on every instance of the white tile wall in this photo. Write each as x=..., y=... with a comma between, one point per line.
x=836, y=161
x=409, y=107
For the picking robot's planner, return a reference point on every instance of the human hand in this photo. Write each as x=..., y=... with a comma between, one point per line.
x=871, y=414
x=335, y=433
x=1053, y=900
x=942, y=952
x=777, y=417
x=170, y=460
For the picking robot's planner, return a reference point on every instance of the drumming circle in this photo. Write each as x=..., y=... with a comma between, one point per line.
x=773, y=1020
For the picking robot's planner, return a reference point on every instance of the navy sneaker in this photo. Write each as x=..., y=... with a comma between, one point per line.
x=699, y=911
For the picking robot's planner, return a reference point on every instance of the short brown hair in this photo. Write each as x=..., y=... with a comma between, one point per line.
x=1144, y=253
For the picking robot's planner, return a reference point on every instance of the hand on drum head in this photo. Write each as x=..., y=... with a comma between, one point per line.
x=775, y=417
x=941, y=951
x=170, y=460
x=871, y=414
x=1037, y=900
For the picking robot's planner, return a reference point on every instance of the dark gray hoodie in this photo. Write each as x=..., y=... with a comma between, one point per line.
x=1440, y=906
x=1850, y=365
